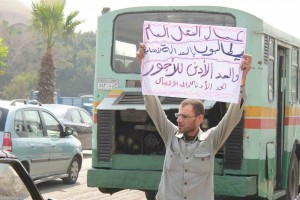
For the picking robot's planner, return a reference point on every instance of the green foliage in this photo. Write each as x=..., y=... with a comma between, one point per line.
x=71, y=23
x=20, y=86
x=76, y=77
x=3, y=54
x=74, y=60
x=48, y=19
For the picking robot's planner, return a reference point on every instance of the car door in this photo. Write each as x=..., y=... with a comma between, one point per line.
x=37, y=148
x=81, y=122
x=61, y=151
x=87, y=124
x=86, y=119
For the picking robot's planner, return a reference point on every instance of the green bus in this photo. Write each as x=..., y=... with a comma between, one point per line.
x=261, y=156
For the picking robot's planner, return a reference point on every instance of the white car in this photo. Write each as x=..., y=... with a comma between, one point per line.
x=46, y=148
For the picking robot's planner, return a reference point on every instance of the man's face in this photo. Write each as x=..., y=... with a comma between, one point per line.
x=188, y=123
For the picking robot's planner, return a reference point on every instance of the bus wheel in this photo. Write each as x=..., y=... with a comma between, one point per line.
x=293, y=179
x=150, y=194
x=108, y=190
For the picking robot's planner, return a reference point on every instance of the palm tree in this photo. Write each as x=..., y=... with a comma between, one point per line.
x=49, y=20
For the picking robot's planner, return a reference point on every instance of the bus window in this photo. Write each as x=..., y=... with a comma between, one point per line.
x=294, y=75
x=269, y=49
x=125, y=54
x=128, y=33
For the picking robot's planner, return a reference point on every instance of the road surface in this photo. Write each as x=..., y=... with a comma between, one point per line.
x=79, y=191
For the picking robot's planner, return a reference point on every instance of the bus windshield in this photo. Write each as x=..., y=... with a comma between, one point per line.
x=128, y=32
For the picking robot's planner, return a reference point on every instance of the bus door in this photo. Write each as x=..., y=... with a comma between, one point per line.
x=281, y=66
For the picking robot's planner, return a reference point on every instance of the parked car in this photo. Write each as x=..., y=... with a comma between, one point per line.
x=15, y=182
x=88, y=103
x=77, y=118
x=46, y=148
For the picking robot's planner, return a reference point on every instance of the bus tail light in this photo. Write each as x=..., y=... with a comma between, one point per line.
x=95, y=118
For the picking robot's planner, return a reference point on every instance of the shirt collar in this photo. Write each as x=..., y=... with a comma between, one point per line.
x=201, y=135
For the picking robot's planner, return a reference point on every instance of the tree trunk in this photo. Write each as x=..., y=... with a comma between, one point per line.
x=47, y=78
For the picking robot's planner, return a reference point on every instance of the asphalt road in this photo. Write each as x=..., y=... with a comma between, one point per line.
x=56, y=190
x=79, y=191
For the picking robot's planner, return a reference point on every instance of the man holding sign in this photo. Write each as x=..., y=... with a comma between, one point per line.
x=188, y=167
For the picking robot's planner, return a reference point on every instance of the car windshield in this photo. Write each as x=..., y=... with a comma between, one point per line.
x=11, y=186
x=3, y=115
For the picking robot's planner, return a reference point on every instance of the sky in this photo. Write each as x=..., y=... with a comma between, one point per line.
x=284, y=15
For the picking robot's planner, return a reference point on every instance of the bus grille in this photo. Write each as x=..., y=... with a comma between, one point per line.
x=128, y=98
x=171, y=100
x=105, y=134
x=233, y=151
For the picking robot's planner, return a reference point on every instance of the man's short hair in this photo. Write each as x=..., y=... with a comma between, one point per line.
x=196, y=104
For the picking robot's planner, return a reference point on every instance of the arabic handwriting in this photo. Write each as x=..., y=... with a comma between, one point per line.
x=182, y=32
x=195, y=69
x=197, y=50
x=206, y=85
x=193, y=60
x=234, y=77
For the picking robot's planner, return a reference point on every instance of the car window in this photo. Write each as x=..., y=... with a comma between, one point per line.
x=75, y=116
x=59, y=112
x=3, y=115
x=52, y=125
x=86, y=117
x=33, y=123
x=20, y=127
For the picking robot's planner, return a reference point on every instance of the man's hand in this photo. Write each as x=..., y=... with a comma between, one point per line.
x=246, y=66
x=140, y=53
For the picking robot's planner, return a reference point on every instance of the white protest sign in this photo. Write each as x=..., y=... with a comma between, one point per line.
x=192, y=61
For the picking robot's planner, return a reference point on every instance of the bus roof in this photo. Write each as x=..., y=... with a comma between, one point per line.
x=265, y=27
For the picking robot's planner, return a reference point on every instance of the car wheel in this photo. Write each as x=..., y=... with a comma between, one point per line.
x=73, y=172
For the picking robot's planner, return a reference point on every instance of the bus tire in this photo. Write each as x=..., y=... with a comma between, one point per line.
x=150, y=194
x=108, y=190
x=293, y=178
